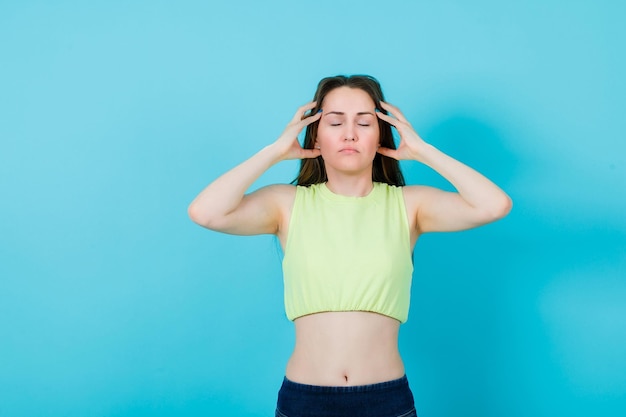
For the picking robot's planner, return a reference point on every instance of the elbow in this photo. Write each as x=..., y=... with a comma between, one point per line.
x=193, y=213
x=198, y=216
x=507, y=206
x=206, y=217
x=501, y=208
x=493, y=211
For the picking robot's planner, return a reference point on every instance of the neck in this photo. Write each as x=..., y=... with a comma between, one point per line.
x=350, y=185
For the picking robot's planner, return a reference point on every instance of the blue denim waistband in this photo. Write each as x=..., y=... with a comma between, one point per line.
x=383, y=399
x=379, y=386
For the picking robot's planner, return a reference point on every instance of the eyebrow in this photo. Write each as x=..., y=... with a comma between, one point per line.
x=361, y=113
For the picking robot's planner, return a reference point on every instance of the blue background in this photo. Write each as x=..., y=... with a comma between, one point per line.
x=114, y=115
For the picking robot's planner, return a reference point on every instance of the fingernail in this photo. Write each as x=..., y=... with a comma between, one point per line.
x=377, y=111
x=319, y=111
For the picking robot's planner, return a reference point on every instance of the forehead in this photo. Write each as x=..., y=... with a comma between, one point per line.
x=348, y=99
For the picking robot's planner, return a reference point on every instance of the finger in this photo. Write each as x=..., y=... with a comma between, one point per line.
x=310, y=153
x=391, y=153
x=387, y=118
x=394, y=110
x=300, y=113
x=309, y=119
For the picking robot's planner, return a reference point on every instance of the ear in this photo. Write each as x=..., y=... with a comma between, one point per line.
x=316, y=145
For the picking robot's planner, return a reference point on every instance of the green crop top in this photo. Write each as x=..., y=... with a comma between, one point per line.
x=348, y=253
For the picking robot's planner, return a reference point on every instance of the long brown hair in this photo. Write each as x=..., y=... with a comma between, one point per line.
x=385, y=169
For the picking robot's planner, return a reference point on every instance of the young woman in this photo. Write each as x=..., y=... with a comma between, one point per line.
x=347, y=230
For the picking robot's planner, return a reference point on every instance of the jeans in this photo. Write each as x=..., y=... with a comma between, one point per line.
x=383, y=399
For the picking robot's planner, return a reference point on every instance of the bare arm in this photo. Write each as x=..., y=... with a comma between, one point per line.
x=224, y=205
x=477, y=201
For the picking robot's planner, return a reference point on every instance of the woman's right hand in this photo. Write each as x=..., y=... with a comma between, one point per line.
x=224, y=205
x=287, y=145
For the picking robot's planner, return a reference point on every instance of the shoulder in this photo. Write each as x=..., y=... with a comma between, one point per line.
x=272, y=200
x=279, y=189
x=276, y=193
x=416, y=196
x=282, y=198
x=419, y=192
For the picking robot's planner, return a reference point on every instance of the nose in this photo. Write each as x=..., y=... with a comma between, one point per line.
x=349, y=134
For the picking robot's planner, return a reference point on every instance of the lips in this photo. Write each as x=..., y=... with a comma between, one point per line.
x=348, y=150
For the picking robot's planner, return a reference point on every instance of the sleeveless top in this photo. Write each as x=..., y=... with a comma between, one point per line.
x=348, y=253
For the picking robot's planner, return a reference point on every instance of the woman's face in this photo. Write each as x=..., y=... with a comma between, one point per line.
x=347, y=134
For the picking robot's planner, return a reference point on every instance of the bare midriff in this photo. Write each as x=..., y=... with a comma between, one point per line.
x=345, y=349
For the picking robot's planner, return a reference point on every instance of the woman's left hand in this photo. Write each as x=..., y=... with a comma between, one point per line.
x=411, y=146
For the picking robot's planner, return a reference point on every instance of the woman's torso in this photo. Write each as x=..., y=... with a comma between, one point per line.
x=343, y=348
